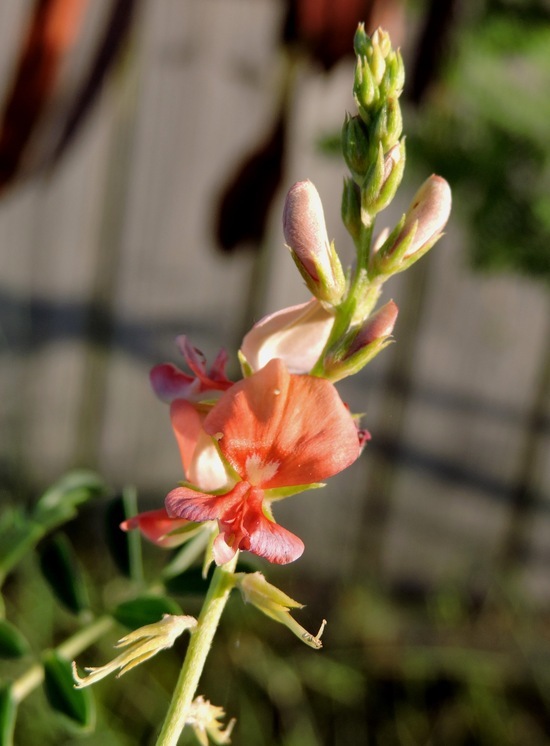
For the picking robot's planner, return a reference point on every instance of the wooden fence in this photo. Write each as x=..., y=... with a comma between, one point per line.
x=105, y=259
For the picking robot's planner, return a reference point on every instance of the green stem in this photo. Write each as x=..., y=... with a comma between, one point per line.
x=197, y=652
x=93, y=631
x=69, y=649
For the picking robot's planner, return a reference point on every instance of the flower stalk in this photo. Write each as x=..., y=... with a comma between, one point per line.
x=223, y=581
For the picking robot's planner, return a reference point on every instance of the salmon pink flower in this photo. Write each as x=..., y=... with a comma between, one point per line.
x=279, y=434
x=170, y=383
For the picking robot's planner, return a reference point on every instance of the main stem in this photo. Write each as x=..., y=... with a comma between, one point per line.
x=197, y=652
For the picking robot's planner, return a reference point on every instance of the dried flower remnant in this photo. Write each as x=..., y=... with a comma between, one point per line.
x=142, y=644
x=204, y=718
x=275, y=604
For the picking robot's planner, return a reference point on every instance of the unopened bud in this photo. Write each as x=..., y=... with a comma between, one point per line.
x=379, y=73
x=355, y=147
x=423, y=225
x=306, y=236
x=361, y=41
x=376, y=329
x=429, y=210
x=362, y=345
x=383, y=178
x=365, y=92
x=351, y=208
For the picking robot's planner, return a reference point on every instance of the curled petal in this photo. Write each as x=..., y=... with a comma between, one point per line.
x=170, y=383
x=193, y=505
x=279, y=430
x=157, y=525
x=213, y=380
x=297, y=335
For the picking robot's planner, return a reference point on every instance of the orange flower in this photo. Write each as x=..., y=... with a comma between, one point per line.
x=277, y=434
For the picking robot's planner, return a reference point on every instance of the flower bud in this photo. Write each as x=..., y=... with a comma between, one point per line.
x=377, y=328
x=383, y=178
x=430, y=209
x=394, y=124
x=379, y=72
x=306, y=236
x=363, y=344
x=423, y=226
x=365, y=92
x=351, y=208
x=355, y=147
x=361, y=41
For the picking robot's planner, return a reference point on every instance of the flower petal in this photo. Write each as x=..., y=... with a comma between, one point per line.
x=184, y=502
x=216, y=379
x=242, y=523
x=201, y=461
x=275, y=543
x=156, y=526
x=297, y=427
x=297, y=335
x=170, y=383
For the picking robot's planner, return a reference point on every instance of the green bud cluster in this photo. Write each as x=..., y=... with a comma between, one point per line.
x=372, y=145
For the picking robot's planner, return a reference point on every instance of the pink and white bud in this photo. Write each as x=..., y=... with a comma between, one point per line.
x=431, y=207
x=376, y=328
x=306, y=236
x=296, y=335
x=359, y=347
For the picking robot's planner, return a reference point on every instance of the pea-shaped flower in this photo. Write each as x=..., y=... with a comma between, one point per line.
x=278, y=434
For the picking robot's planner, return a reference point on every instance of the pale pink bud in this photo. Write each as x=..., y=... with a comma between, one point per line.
x=377, y=327
x=306, y=236
x=431, y=207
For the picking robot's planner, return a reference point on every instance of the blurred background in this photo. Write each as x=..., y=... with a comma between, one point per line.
x=145, y=151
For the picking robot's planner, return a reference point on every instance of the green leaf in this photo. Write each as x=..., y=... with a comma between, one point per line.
x=75, y=704
x=12, y=642
x=60, y=502
x=8, y=714
x=125, y=546
x=144, y=610
x=61, y=568
x=19, y=539
x=189, y=583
